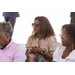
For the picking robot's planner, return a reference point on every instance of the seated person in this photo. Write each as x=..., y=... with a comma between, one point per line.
x=9, y=51
x=66, y=52
x=42, y=41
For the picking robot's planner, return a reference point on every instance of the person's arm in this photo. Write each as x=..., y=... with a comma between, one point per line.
x=28, y=45
x=26, y=52
x=46, y=54
x=53, y=61
x=52, y=47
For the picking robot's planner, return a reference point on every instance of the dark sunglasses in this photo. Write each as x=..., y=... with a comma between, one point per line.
x=35, y=24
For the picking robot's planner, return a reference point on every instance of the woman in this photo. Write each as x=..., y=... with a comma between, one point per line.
x=42, y=41
x=66, y=52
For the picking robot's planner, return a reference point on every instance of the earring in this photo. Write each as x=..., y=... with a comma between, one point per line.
x=72, y=46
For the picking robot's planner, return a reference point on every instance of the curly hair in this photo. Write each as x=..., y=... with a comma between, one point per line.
x=5, y=27
x=70, y=29
x=46, y=29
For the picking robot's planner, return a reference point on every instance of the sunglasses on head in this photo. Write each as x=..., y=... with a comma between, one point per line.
x=35, y=24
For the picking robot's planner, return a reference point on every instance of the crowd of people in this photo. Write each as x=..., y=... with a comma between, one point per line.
x=41, y=46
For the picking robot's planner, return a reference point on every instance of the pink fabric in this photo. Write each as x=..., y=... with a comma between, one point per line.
x=12, y=53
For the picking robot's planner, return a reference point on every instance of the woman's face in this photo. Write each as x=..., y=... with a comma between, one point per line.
x=36, y=26
x=65, y=38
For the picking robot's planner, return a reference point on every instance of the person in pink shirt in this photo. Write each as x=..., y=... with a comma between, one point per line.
x=9, y=51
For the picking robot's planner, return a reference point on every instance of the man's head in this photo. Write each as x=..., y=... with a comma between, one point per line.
x=5, y=29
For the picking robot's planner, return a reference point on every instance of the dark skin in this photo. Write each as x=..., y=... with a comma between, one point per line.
x=4, y=39
x=37, y=49
x=67, y=41
x=47, y=55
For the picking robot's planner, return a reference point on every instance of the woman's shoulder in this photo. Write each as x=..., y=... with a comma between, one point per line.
x=30, y=37
x=72, y=56
x=61, y=48
x=72, y=53
x=51, y=38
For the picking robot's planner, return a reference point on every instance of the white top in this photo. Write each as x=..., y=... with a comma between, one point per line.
x=57, y=55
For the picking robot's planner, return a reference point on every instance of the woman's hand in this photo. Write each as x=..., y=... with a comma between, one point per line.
x=46, y=54
x=37, y=49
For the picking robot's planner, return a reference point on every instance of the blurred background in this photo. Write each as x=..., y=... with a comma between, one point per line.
x=23, y=28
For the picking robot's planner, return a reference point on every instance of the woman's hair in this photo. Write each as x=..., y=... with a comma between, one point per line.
x=5, y=27
x=46, y=29
x=70, y=29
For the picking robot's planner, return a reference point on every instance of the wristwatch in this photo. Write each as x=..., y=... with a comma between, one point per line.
x=43, y=51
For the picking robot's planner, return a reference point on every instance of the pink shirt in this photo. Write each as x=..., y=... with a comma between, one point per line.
x=12, y=53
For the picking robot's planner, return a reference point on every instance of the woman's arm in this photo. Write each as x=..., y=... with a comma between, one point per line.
x=53, y=61
x=47, y=55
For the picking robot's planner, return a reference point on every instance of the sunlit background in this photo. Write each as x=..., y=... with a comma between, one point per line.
x=23, y=28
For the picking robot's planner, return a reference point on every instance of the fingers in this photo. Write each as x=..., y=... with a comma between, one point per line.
x=33, y=50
